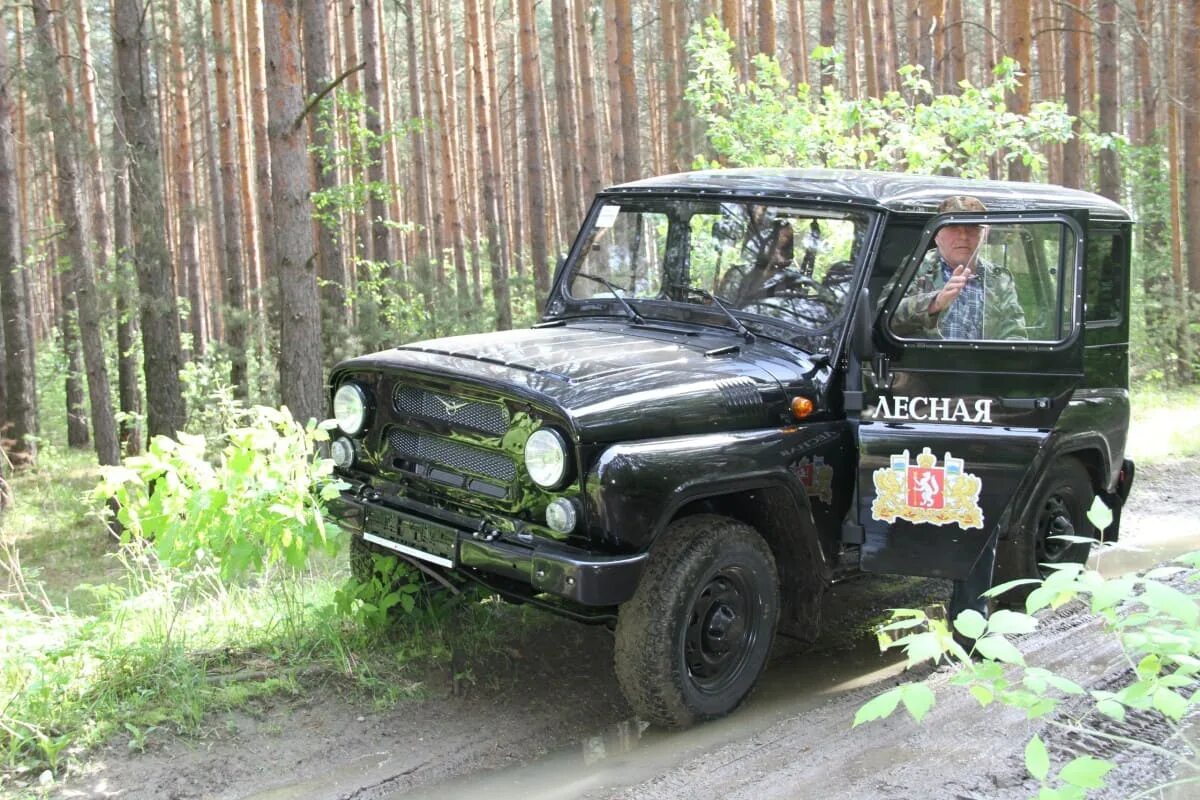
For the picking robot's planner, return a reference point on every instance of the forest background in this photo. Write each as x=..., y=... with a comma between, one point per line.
x=198, y=194
x=204, y=204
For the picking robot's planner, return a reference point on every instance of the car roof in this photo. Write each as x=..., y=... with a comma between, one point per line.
x=894, y=191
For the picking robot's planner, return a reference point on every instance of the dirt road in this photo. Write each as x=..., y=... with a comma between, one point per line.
x=549, y=721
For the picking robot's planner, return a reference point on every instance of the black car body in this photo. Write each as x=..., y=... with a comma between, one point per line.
x=730, y=420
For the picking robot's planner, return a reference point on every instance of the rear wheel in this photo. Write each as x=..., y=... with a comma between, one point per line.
x=1059, y=509
x=694, y=638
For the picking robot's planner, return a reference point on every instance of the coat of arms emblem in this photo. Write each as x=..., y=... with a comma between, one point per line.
x=816, y=476
x=926, y=492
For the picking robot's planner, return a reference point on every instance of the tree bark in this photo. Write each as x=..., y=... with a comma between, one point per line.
x=93, y=159
x=828, y=35
x=1148, y=112
x=591, y=162
x=1073, y=91
x=766, y=28
x=300, y=362
x=262, y=173
x=185, y=182
x=162, y=359
x=491, y=202
x=799, y=41
x=1018, y=25
x=1110, y=172
x=20, y=399
x=424, y=214
x=531, y=91
x=870, y=67
x=79, y=275
x=568, y=130
x=381, y=249
x=616, y=126
x=129, y=389
x=1190, y=60
x=1175, y=166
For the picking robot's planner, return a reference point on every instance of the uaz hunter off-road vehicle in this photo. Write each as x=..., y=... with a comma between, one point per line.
x=720, y=414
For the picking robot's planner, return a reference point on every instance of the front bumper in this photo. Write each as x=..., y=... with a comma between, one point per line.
x=582, y=576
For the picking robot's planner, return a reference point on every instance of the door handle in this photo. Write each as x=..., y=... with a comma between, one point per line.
x=1025, y=403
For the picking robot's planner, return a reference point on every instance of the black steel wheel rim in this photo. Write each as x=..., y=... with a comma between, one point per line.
x=1054, y=520
x=722, y=630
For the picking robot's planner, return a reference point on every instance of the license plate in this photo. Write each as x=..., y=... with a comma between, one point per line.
x=432, y=543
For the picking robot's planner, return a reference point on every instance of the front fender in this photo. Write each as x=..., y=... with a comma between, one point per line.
x=634, y=489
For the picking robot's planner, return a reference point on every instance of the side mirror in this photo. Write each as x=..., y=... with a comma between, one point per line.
x=861, y=334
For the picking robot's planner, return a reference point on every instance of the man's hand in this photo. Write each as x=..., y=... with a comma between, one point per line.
x=949, y=293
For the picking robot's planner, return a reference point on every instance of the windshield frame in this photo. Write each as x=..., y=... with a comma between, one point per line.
x=561, y=305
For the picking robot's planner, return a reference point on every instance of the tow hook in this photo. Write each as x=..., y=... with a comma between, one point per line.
x=488, y=533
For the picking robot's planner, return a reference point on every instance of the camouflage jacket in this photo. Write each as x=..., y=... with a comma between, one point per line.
x=1003, y=317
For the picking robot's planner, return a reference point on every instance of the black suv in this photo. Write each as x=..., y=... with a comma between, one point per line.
x=720, y=414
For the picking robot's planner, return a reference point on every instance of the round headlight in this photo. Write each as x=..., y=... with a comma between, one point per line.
x=561, y=515
x=350, y=408
x=546, y=457
x=341, y=450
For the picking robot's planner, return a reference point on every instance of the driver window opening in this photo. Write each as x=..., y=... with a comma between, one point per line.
x=991, y=282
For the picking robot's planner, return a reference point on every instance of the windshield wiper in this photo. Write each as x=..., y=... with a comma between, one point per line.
x=719, y=303
x=633, y=314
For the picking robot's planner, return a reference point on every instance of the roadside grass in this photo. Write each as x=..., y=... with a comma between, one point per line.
x=99, y=640
x=1165, y=425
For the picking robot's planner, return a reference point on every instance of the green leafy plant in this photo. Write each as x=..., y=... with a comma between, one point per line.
x=1156, y=624
x=257, y=503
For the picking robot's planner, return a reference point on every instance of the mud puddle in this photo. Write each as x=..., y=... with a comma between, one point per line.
x=631, y=751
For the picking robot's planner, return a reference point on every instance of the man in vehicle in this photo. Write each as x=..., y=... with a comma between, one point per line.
x=959, y=295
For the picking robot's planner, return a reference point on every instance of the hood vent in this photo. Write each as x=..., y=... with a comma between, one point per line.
x=740, y=395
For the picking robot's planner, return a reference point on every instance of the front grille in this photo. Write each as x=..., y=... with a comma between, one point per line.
x=478, y=415
x=440, y=452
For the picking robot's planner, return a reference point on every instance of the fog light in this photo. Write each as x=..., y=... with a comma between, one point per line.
x=561, y=515
x=342, y=452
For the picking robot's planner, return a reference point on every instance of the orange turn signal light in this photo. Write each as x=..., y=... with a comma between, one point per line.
x=801, y=407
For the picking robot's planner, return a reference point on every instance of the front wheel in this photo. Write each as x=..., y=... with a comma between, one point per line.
x=695, y=636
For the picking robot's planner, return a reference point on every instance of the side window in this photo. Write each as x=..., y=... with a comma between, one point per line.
x=1105, y=290
x=991, y=282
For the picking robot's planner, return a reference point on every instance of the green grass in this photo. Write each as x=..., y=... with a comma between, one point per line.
x=98, y=640
x=1165, y=425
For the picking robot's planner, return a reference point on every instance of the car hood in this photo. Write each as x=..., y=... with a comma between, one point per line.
x=615, y=381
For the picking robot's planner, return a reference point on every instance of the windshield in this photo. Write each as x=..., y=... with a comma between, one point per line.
x=783, y=270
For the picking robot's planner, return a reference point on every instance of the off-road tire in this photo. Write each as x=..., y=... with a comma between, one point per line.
x=695, y=636
x=1060, y=506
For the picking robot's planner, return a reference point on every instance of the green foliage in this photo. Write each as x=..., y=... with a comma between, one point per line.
x=1155, y=623
x=769, y=122
x=258, y=505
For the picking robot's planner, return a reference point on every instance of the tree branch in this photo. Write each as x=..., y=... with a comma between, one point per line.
x=321, y=94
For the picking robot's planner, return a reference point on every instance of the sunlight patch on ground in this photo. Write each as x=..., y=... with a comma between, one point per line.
x=1164, y=426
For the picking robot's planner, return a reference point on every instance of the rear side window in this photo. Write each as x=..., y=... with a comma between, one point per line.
x=1020, y=284
x=1105, y=295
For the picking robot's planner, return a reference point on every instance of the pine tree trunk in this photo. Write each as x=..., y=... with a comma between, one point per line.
x=213, y=241
x=162, y=359
x=630, y=128
x=1190, y=62
x=591, y=161
x=185, y=182
x=129, y=389
x=417, y=137
x=1018, y=24
x=1175, y=166
x=93, y=158
x=828, y=38
x=531, y=92
x=870, y=67
x=798, y=40
x=766, y=28
x=300, y=362
x=1073, y=93
x=233, y=278
x=79, y=276
x=568, y=131
x=491, y=202
x=262, y=173
x=78, y=434
x=1148, y=112
x=503, y=176
x=381, y=248
x=616, y=127
x=1110, y=173
x=20, y=400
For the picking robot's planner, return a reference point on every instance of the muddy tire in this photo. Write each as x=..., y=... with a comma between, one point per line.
x=1060, y=508
x=695, y=636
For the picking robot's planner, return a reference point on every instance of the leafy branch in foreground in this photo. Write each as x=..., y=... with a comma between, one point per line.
x=257, y=502
x=1157, y=628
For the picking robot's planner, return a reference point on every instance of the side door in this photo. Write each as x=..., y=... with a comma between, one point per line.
x=957, y=407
